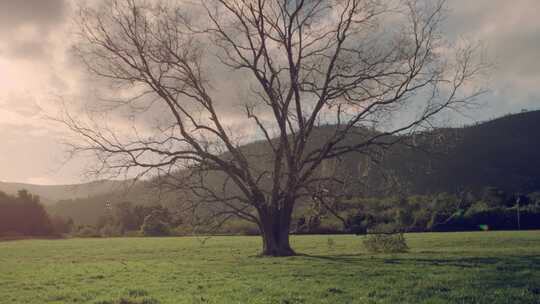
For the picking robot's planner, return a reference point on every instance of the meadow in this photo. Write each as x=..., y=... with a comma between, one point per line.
x=471, y=267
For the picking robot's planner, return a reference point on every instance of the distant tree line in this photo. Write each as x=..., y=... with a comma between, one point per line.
x=24, y=215
x=493, y=209
x=126, y=218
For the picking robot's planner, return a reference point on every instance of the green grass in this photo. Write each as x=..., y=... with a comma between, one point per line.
x=490, y=267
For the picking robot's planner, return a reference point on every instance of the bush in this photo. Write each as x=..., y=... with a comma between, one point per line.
x=530, y=217
x=110, y=230
x=385, y=243
x=240, y=227
x=61, y=225
x=133, y=233
x=24, y=214
x=456, y=222
x=155, y=225
x=359, y=223
x=329, y=227
x=477, y=207
x=11, y=235
x=87, y=231
x=182, y=230
x=494, y=218
x=385, y=228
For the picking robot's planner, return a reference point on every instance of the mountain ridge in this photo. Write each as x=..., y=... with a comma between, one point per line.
x=503, y=153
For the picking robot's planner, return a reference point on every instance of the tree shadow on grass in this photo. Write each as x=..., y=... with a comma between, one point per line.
x=530, y=261
x=338, y=258
x=468, y=262
x=466, y=279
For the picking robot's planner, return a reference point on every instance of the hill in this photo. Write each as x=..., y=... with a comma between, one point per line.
x=51, y=194
x=501, y=153
x=88, y=210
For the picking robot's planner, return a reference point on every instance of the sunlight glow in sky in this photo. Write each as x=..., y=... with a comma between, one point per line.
x=35, y=69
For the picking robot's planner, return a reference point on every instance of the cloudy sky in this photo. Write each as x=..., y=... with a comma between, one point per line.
x=36, y=72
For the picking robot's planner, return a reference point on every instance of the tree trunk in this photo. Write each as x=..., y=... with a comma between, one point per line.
x=275, y=224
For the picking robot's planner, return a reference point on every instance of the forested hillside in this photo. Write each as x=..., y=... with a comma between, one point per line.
x=502, y=153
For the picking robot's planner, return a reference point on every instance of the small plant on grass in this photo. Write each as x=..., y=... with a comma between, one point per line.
x=331, y=243
x=385, y=243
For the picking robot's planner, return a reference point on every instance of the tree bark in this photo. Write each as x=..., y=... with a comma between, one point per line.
x=275, y=224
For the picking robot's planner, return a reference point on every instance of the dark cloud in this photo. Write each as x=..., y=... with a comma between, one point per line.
x=41, y=13
x=26, y=27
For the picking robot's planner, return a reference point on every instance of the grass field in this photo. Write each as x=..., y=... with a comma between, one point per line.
x=488, y=267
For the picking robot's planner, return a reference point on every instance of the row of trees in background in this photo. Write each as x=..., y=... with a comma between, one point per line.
x=23, y=215
x=491, y=210
x=126, y=218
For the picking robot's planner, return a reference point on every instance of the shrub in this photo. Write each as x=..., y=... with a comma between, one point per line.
x=327, y=226
x=330, y=243
x=385, y=228
x=385, y=243
x=477, y=207
x=182, y=230
x=494, y=218
x=11, y=235
x=359, y=223
x=155, y=225
x=110, y=230
x=530, y=217
x=133, y=233
x=87, y=231
x=61, y=225
x=24, y=214
x=456, y=222
x=240, y=227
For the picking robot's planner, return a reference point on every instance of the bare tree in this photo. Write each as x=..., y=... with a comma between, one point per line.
x=353, y=64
